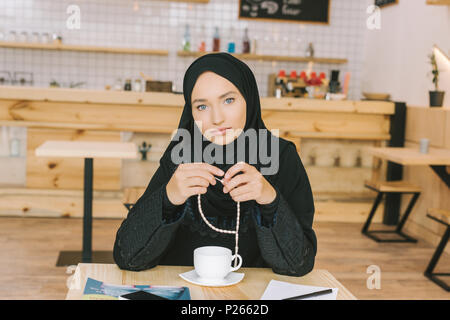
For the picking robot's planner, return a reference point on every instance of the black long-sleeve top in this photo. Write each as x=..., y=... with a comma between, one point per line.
x=156, y=232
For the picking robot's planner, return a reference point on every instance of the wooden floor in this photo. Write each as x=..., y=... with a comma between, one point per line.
x=30, y=246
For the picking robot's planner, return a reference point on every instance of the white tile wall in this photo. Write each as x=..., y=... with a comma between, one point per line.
x=160, y=25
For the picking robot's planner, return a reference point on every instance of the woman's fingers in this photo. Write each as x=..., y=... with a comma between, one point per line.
x=244, y=197
x=196, y=190
x=241, y=190
x=205, y=166
x=240, y=166
x=236, y=181
x=206, y=175
x=196, y=182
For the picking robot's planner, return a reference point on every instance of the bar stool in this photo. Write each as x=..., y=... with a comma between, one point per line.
x=386, y=187
x=443, y=217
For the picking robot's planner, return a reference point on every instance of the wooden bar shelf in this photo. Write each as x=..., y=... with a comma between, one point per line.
x=439, y=2
x=249, y=56
x=81, y=48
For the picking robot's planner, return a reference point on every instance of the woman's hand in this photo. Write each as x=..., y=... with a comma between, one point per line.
x=191, y=179
x=250, y=185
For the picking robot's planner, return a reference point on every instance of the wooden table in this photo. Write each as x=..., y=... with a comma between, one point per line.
x=87, y=150
x=437, y=159
x=251, y=287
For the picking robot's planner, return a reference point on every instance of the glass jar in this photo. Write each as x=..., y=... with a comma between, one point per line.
x=23, y=37
x=137, y=85
x=45, y=38
x=12, y=36
x=118, y=85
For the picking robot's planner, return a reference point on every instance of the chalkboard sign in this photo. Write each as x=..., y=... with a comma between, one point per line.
x=383, y=3
x=312, y=11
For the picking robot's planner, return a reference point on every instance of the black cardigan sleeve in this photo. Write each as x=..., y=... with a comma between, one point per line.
x=289, y=243
x=148, y=229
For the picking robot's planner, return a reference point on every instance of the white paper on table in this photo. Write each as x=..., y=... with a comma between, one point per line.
x=278, y=290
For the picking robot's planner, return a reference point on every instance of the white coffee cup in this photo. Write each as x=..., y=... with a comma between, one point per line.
x=212, y=263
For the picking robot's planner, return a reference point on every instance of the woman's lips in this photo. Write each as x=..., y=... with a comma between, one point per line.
x=220, y=131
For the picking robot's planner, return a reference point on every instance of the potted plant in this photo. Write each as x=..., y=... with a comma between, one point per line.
x=436, y=97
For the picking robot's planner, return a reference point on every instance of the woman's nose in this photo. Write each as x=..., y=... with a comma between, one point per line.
x=217, y=116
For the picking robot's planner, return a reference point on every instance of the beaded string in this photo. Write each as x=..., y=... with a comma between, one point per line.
x=236, y=232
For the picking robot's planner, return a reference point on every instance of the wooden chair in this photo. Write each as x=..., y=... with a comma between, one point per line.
x=385, y=187
x=131, y=195
x=441, y=216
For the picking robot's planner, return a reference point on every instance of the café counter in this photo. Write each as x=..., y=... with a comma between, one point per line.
x=319, y=128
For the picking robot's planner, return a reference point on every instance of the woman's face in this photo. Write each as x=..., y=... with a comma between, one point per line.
x=218, y=104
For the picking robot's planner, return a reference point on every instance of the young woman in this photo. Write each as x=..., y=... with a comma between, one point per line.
x=276, y=210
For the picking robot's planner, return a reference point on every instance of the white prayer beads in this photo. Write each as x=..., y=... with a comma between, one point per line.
x=236, y=232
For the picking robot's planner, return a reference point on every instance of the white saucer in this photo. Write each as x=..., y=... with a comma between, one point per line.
x=231, y=279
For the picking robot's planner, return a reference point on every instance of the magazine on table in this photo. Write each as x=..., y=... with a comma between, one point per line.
x=98, y=290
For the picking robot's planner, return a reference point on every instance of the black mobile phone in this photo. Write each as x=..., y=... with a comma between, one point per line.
x=142, y=295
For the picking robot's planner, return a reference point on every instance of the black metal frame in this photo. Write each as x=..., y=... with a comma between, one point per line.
x=441, y=171
x=67, y=258
x=394, y=171
x=435, y=258
x=398, y=230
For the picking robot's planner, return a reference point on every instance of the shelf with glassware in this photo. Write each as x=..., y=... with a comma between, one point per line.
x=82, y=48
x=264, y=57
x=249, y=48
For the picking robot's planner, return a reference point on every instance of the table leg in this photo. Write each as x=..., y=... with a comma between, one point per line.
x=67, y=258
x=392, y=203
x=87, y=216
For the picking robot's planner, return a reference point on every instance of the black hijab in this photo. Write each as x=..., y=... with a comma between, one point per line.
x=215, y=202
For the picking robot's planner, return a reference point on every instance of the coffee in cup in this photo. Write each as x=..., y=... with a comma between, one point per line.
x=212, y=263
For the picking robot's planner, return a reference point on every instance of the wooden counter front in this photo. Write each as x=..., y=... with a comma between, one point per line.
x=160, y=112
x=80, y=114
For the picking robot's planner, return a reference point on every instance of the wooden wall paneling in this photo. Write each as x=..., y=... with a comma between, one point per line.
x=27, y=202
x=447, y=130
x=326, y=122
x=426, y=123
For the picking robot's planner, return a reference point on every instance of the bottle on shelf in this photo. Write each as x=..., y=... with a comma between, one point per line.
x=280, y=84
x=127, y=86
x=303, y=75
x=246, y=42
x=310, y=51
x=202, y=40
x=302, y=82
x=291, y=80
x=231, y=43
x=293, y=76
x=186, y=43
x=216, y=40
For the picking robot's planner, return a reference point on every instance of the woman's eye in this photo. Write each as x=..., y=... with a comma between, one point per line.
x=200, y=107
x=229, y=99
